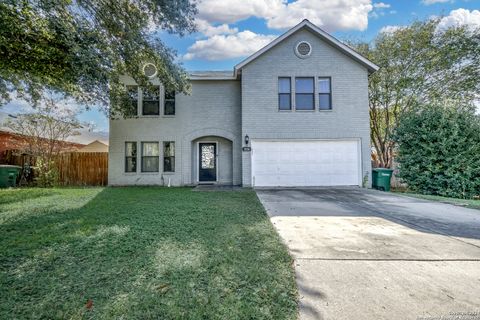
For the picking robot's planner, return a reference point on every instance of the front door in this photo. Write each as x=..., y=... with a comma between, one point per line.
x=207, y=170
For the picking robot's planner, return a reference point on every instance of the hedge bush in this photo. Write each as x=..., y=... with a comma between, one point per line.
x=439, y=150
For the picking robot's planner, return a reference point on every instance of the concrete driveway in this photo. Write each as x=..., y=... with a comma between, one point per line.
x=365, y=254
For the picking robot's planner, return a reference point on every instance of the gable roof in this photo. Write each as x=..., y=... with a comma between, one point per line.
x=372, y=67
x=95, y=146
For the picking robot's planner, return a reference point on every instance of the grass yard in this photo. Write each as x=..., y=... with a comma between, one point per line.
x=468, y=203
x=141, y=253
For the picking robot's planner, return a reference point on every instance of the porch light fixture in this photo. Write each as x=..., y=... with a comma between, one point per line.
x=247, y=139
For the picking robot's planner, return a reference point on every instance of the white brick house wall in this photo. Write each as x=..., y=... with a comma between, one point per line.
x=228, y=109
x=212, y=109
x=349, y=117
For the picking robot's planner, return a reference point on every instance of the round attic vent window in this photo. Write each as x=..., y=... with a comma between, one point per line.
x=303, y=49
x=150, y=70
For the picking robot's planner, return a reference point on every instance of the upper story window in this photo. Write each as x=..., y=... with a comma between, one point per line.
x=151, y=102
x=169, y=106
x=284, y=93
x=150, y=156
x=324, y=93
x=132, y=93
x=130, y=157
x=304, y=93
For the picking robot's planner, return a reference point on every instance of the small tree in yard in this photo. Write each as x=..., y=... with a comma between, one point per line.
x=45, y=132
x=439, y=150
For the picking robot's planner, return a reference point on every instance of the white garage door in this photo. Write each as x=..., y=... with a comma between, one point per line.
x=305, y=163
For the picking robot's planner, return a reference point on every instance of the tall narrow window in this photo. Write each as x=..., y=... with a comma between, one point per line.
x=150, y=155
x=304, y=96
x=132, y=96
x=284, y=94
x=324, y=93
x=168, y=156
x=130, y=157
x=151, y=102
x=169, y=107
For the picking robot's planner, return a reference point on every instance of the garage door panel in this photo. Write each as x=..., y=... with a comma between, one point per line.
x=305, y=163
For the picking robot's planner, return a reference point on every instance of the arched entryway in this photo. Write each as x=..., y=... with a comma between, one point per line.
x=212, y=160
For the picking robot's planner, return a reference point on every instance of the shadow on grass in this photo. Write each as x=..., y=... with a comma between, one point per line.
x=148, y=253
x=19, y=195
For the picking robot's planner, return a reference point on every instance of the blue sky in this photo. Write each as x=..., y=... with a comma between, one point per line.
x=230, y=30
x=388, y=13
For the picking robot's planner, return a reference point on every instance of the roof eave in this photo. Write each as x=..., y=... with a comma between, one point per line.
x=211, y=78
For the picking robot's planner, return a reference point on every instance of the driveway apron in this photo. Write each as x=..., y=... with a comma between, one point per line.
x=365, y=254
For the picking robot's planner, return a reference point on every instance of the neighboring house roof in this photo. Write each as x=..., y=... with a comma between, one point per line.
x=13, y=141
x=95, y=146
x=372, y=67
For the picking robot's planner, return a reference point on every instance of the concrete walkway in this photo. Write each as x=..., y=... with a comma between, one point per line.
x=364, y=254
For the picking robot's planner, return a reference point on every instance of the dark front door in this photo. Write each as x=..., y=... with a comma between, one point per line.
x=207, y=170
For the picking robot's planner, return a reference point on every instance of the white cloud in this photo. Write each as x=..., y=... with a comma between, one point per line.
x=230, y=11
x=331, y=15
x=376, y=15
x=221, y=47
x=226, y=42
x=460, y=17
x=209, y=30
x=381, y=5
x=390, y=29
x=379, y=10
x=429, y=2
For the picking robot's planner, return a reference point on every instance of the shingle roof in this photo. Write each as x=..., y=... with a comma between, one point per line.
x=211, y=75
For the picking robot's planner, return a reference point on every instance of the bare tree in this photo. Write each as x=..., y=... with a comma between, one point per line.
x=46, y=130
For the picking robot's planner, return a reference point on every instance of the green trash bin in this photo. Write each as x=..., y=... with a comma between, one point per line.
x=381, y=178
x=8, y=175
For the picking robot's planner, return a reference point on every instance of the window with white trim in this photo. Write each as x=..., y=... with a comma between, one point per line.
x=325, y=93
x=284, y=93
x=132, y=94
x=130, y=156
x=169, y=104
x=150, y=156
x=304, y=93
x=151, y=102
x=168, y=156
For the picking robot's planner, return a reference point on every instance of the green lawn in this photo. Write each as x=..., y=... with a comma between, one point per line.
x=141, y=253
x=468, y=203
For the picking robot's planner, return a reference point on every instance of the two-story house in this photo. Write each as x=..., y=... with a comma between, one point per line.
x=295, y=113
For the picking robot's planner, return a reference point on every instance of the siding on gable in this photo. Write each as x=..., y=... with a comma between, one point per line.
x=349, y=117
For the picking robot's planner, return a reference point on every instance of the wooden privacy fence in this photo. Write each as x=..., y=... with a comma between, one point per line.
x=74, y=168
x=82, y=168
